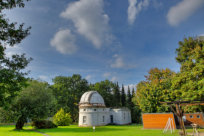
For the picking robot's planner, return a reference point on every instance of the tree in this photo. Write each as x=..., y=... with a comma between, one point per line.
x=34, y=102
x=129, y=98
x=133, y=92
x=135, y=110
x=6, y=116
x=188, y=84
x=62, y=119
x=12, y=79
x=68, y=91
x=123, y=97
x=156, y=88
x=116, y=95
x=105, y=89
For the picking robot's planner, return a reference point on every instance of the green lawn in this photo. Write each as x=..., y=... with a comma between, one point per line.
x=73, y=130
x=131, y=130
x=9, y=131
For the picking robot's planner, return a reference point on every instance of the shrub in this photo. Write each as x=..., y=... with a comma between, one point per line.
x=62, y=119
x=43, y=124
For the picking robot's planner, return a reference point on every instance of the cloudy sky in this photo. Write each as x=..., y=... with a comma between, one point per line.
x=119, y=40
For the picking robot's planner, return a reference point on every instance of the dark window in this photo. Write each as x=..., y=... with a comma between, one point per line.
x=103, y=118
x=84, y=109
x=84, y=119
x=111, y=118
x=191, y=116
x=198, y=116
x=94, y=109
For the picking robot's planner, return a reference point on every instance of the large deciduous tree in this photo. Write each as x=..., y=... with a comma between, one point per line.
x=34, y=102
x=68, y=91
x=12, y=79
x=156, y=88
x=189, y=82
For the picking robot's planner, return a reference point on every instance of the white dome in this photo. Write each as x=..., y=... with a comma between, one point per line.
x=91, y=98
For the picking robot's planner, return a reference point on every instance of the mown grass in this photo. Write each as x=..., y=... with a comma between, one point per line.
x=74, y=130
x=130, y=130
x=9, y=131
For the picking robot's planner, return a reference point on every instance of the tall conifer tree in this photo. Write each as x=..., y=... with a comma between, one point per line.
x=123, y=97
x=116, y=93
x=129, y=98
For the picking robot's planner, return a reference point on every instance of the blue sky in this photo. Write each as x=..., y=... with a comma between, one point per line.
x=119, y=40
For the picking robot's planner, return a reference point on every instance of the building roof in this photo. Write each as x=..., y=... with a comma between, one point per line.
x=91, y=98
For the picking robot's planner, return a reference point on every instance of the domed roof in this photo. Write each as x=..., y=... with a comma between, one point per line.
x=91, y=98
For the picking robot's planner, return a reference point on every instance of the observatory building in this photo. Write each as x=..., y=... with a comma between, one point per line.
x=93, y=111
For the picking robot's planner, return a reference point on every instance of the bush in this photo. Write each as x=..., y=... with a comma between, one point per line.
x=62, y=119
x=42, y=124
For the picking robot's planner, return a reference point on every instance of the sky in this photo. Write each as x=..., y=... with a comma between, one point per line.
x=118, y=40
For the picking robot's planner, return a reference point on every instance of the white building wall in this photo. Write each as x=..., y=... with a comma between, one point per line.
x=94, y=116
x=121, y=116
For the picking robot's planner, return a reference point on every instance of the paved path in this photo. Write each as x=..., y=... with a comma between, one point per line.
x=41, y=133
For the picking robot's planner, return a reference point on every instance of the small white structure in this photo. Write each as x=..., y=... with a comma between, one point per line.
x=93, y=112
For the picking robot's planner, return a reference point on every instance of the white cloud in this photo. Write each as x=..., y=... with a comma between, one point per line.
x=89, y=20
x=118, y=62
x=135, y=8
x=88, y=77
x=183, y=10
x=64, y=42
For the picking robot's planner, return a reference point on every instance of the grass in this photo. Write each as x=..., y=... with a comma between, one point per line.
x=9, y=131
x=74, y=130
x=131, y=130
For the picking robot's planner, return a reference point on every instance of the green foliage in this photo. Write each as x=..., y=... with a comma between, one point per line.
x=105, y=89
x=136, y=114
x=62, y=119
x=34, y=102
x=12, y=79
x=188, y=84
x=68, y=91
x=164, y=85
x=6, y=116
x=129, y=99
x=155, y=89
x=116, y=95
x=123, y=97
x=43, y=124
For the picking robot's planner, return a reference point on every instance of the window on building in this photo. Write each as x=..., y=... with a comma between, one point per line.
x=198, y=116
x=103, y=118
x=84, y=109
x=84, y=119
x=94, y=109
x=124, y=116
x=191, y=116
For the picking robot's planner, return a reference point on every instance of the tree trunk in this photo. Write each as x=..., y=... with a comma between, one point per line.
x=20, y=123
